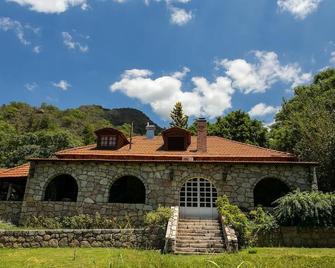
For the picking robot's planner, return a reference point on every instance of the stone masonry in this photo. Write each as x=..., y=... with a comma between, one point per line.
x=94, y=180
x=129, y=238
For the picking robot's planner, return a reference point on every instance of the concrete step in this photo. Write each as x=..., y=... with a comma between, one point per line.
x=198, y=237
x=191, y=241
x=197, y=220
x=198, y=250
x=200, y=245
x=199, y=228
x=198, y=225
x=199, y=231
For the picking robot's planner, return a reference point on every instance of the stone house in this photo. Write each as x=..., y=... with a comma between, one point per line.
x=125, y=177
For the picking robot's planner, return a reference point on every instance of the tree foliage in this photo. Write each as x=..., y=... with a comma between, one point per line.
x=238, y=126
x=27, y=131
x=305, y=126
x=179, y=119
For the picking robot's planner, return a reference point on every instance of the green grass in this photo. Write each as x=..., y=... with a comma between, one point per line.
x=117, y=258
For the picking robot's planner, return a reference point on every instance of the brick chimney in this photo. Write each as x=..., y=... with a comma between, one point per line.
x=202, y=135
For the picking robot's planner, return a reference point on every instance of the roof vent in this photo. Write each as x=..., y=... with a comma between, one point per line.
x=150, y=134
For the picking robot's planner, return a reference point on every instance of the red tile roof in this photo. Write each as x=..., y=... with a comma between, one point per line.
x=16, y=172
x=218, y=149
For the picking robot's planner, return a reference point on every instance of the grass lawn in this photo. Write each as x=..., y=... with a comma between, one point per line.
x=102, y=257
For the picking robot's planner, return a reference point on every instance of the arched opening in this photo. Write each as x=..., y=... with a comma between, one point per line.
x=62, y=188
x=197, y=199
x=127, y=189
x=268, y=190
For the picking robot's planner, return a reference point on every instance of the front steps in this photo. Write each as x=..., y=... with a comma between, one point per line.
x=196, y=236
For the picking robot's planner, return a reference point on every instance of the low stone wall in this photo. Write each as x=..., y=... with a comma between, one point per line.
x=229, y=236
x=134, y=212
x=298, y=237
x=171, y=231
x=10, y=211
x=125, y=238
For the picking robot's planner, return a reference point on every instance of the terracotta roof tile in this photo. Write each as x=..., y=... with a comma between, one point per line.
x=218, y=149
x=16, y=172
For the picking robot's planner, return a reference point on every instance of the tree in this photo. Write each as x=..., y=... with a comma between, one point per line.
x=238, y=126
x=306, y=126
x=179, y=119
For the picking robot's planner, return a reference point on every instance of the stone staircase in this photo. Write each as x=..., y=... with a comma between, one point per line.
x=197, y=236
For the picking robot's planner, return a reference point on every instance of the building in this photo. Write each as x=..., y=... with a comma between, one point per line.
x=123, y=177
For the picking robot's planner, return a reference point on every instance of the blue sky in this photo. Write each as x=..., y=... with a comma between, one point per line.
x=213, y=55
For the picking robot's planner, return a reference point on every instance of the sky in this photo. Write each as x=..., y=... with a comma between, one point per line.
x=215, y=56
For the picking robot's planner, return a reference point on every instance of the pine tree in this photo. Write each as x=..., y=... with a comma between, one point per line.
x=179, y=119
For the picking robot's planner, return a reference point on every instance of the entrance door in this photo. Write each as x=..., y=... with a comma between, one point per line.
x=197, y=199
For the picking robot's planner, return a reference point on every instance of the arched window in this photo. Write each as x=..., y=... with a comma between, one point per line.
x=268, y=190
x=127, y=189
x=62, y=188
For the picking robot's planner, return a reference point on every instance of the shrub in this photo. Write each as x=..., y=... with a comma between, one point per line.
x=262, y=220
x=81, y=221
x=311, y=209
x=234, y=217
x=159, y=217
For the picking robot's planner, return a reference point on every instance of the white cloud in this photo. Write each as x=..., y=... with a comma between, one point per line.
x=205, y=99
x=62, y=84
x=37, y=49
x=70, y=43
x=180, y=16
x=260, y=76
x=299, y=8
x=19, y=29
x=181, y=74
x=31, y=86
x=332, y=57
x=51, y=6
x=261, y=109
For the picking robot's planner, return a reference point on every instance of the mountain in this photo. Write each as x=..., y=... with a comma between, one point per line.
x=27, y=131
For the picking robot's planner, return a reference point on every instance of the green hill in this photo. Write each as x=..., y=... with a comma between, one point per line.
x=27, y=131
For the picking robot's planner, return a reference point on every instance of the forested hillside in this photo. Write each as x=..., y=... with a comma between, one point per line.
x=27, y=131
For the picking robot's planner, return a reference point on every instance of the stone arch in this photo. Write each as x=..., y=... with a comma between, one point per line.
x=269, y=189
x=63, y=187
x=127, y=189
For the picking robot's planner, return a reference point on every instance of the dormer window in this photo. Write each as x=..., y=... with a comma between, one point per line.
x=176, y=139
x=110, y=139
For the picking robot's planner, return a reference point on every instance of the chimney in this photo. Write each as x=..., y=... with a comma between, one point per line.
x=150, y=131
x=202, y=135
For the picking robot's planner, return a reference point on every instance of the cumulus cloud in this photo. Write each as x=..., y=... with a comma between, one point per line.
x=161, y=93
x=70, y=43
x=261, y=109
x=51, y=6
x=180, y=16
x=181, y=74
x=20, y=30
x=299, y=8
x=62, y=84
x=31, y=86
x=261, y=75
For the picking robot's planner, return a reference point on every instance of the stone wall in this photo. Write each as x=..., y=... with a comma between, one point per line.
x=125, y=238
x=162, y=181
x=10, y=211
x=298, y=237
x=134, y=213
